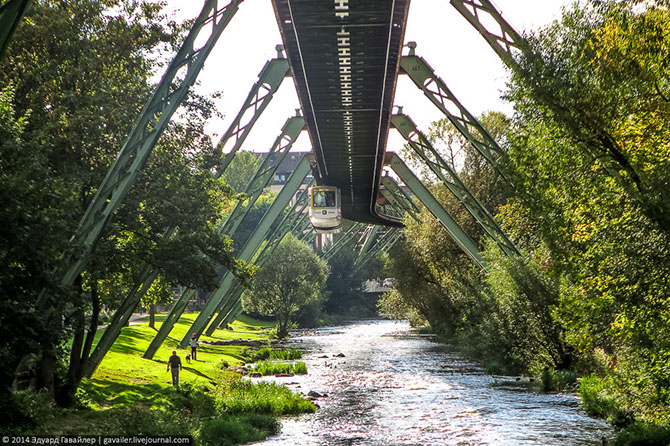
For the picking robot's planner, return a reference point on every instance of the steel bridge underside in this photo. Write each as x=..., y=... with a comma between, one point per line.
x=345, y=59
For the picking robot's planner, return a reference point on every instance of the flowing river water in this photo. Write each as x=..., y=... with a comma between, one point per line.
x=394, y=387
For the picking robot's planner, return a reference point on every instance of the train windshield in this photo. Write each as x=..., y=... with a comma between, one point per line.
x=324, y=198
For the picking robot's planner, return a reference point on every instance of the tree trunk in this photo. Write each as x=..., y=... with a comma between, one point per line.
x=152, y=316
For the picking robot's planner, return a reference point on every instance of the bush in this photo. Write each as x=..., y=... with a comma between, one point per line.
x=228, y=430
x=287, y=355
x=642, y=434
x=558, y=380
x=598, y=402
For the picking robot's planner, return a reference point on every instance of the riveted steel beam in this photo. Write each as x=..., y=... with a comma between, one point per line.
x=457, y=233
x=169, y=94
x=450, y=178
x=436, y=90
x=249, y=249
x=398, y=198
x=504, y=40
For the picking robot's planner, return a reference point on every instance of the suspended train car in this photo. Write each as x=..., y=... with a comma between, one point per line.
x=325, y=209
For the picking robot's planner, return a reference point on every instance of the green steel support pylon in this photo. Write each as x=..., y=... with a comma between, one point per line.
x=385, y=242
x=249, y=249
x=288, y=222
x=262, y=178
x=398, y=198
x=264, y=174
x=245, y=254
x=461, y=238
x=450, y=178
x=270, y=78
x=344, y=240
x=236, y=302
x=170, y=92
x=369, y=239
x=505, y=41
x=436, y=90
x=11, y=14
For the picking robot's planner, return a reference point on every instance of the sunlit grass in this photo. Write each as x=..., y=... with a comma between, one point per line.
x=280, y=368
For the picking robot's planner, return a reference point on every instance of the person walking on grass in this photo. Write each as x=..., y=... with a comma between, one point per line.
x=174, y=363
x=194, y=346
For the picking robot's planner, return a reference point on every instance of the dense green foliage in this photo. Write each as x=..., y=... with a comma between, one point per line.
x=292, y=278
x=588, y=158
x=74, y=79
x=280, y=368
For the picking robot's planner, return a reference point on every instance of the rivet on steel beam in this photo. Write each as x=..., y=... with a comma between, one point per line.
x=280, y=51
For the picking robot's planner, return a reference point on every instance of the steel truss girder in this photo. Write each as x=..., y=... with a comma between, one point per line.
x=11, y=14
x=246, y=254
x=436, y=90
x=169, y=94
x=450, y=178
x=343, y=240
x=251, y=246
x=264, y=174
x=505, y=41
x=306, y=236
x=262, y=177
x=398, y=198
x=259, y=97
x=368, y=239
x=295, y=221
x=383, y=244
x=269, y=80
x=457, y=233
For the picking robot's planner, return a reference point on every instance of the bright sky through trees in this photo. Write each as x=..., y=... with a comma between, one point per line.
x=448, y=43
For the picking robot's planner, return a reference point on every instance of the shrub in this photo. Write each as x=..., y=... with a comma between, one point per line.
x=287, y=355
x=558, y=380
x=642, y=434
x=597, y=401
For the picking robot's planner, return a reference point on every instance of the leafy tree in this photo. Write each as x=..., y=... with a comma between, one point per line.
x=241, y=170
x=75, y=77
x=293, y=277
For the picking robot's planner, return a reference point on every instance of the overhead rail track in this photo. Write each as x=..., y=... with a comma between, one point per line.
x=345, y=58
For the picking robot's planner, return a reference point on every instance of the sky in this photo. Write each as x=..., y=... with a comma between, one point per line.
x=457, y=53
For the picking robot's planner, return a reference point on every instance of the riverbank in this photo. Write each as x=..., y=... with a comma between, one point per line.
x=130, y=395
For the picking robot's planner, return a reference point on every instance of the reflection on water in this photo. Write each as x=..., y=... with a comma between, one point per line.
x=395, y=388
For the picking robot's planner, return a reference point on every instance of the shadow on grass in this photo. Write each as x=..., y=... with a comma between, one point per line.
x=109, y=393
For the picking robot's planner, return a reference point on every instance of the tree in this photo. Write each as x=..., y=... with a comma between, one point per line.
x=293, y=277
x=74, y=79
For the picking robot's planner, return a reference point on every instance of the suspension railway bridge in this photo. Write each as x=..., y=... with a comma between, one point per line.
x=344, y=57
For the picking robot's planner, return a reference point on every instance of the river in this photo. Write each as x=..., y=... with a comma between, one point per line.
x=394, y=387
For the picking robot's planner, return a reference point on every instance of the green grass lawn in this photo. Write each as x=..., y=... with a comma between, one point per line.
x=125, y=378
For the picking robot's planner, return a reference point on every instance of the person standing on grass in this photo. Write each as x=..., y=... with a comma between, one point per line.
x=174, y=363
x=194, y=346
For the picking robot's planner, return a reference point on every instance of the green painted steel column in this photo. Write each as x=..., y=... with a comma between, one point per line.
x=452, y=181
x=505, y=41
x=397, y=197
x=250, y=247
x=344, y=240
x=11, y=14
x=170, y=92
x=275, y=236
x=436, y=90
x=259, y=97
x=262, y=178
x=461, y=238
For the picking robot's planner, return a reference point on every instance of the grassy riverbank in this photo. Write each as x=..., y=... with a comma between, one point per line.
x=130, y=395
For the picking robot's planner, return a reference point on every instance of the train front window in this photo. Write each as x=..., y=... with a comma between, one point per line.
x=324, y=198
